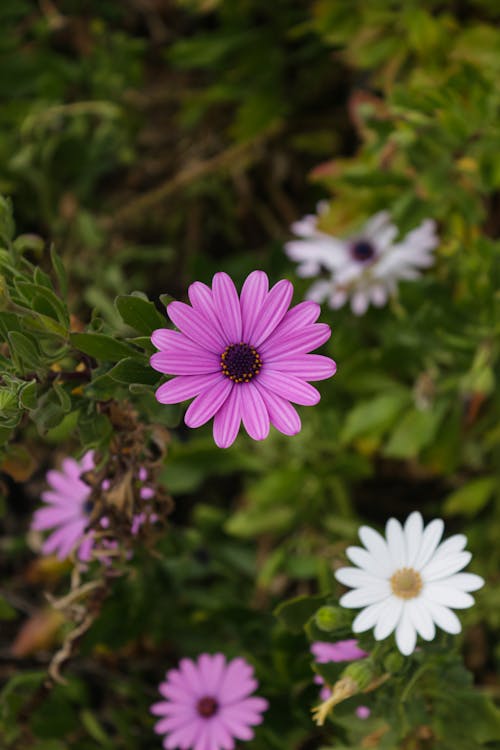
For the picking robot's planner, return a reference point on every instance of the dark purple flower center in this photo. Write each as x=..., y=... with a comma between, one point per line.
x=207, y=707
x=88, y=507
x=362, y=251
x=240, y=362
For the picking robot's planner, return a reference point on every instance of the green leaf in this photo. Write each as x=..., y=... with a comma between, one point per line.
x=28, y=395
x=49, y=303
x=129, y=370
x=60, y=271
x=102, y=347
x=374, y=416
x=470, y=499
x=415, y=431
x=139, y=313
x=295, y=613
x=24, y=348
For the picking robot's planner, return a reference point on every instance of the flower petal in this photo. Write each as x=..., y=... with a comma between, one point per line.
x=446, y=566
x=185, y=386
x=444, y=617
x=227, y=420
x=466, y=581
x=196, y=326
x=413, y=529
x=227, y=305
x=281, y=413
x=289, y=387
x=254, y=412
x=252, y=297
x=211, y=670
x=396, y=542
x=390, y=618
x=272, y=311
x=430, y=540
x=364, y=596
x=375, y=544
x=202, y=299
x=306, y=366
x=369, y=616
x=301, y=341
x=448, y=596
x=365, y=560
x=356, y=578
x=421, y=618
x=406, y=636
x=183, y=363
x=237, y=683
x=208, y=402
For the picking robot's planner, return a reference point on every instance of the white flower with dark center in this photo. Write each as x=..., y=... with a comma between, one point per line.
x=365, y=267
x=408, y=581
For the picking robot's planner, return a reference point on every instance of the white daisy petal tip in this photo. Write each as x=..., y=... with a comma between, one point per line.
x=408, y=582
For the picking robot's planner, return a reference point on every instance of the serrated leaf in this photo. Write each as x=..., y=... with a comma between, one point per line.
x=102, y=347
x=139, y=313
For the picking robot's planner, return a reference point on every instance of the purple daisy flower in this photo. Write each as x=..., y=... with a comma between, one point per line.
x=243, y=358
x=208, y=704
x=67, y=510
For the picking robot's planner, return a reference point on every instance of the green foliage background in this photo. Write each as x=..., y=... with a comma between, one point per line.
x=146, y=145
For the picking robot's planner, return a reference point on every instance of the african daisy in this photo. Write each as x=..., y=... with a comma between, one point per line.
x=408, y=581
x=365, y=267
x=208, y=704
x=243, y=358
x=67, y=509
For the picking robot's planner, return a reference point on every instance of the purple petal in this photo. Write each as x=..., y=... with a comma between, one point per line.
x=238, y=682
x=64, y=538
x=303, y=314
x=227, y=420
x=191, y=676
x=185, y=386
x=303, y=340
x=60, y=482
x=184, y=737
x=227, y=305
x=237, y=728
x=254, y=412
x=252, y=298
x=272, y=311
x=281, y=413
x=306, y=366
x=199, y=363
x=211, y=669
x=85, y=548
x=289, y=387
x=202, y=299
x=196, y=326
x=208, y=402
x=48, y=518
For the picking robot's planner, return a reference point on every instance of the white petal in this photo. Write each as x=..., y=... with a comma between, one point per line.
x=337, y=299
x=377, y=223
x=377, y=546
x=396, y=542
x=363, y=597
x=368, y=562
x=378, y=295
x=414, y=526
x=445, y=566
x=430, y=540
x=448, y=596
x=466, y=581
x=455, y=543
x=319, y=291
x=389, y=619
x=359, y=303
x=406, y=636
x=421, y=619
x=367, y=618
x=356, y=578
x=444, y=617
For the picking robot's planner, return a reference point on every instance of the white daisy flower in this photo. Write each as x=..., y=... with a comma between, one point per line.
x=364, y=268
x=407, y=582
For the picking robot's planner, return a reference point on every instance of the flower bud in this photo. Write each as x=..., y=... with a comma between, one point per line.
x=394, y=662
x=361, y=672
x=329, y=618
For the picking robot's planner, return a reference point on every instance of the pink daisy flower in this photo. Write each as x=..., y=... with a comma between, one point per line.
x=68, y=508
x=243, y=358
x=208, y=704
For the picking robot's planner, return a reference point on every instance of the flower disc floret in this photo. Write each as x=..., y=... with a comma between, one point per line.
x=408, y=582
x=243, y=358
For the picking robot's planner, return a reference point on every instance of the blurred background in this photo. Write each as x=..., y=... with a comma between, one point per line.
x=155, y=142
